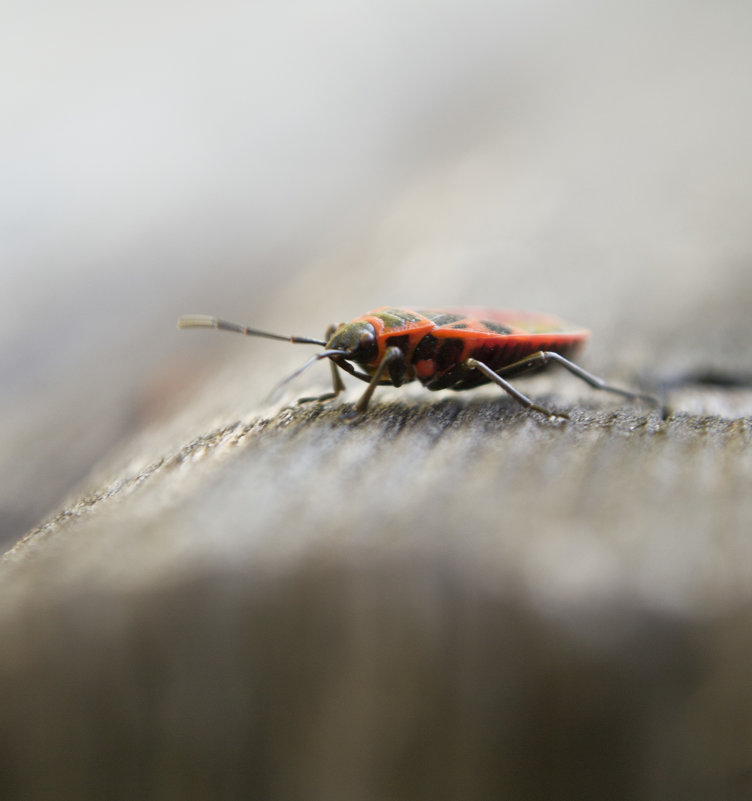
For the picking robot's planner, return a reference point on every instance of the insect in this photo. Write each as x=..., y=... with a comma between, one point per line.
x=454, y=348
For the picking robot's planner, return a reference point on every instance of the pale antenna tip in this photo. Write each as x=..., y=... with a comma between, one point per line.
x=197, y=321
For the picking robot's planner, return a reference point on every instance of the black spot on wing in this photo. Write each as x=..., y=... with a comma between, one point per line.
x=497, y=328
x=443, y=318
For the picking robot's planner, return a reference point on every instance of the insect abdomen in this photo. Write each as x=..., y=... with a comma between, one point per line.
x=439, y=360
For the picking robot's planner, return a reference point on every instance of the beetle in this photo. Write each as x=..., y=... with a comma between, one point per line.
x=454, y=348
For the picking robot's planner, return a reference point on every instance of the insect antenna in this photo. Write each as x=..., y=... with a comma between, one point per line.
x=207, y=321
x=322, y=355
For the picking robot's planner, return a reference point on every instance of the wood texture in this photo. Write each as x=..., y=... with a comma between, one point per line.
x=441, y=600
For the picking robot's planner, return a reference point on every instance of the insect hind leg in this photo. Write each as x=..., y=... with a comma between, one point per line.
x=474, y=364
x=544, y=357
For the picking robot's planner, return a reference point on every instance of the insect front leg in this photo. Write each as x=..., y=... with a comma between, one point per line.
x=474, y=364
x=337, y=383
x=543, y=357
x=391, y=355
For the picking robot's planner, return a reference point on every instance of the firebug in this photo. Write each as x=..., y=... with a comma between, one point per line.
x=454, y=348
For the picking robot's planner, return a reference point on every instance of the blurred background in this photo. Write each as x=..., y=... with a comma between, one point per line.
x=292, y=164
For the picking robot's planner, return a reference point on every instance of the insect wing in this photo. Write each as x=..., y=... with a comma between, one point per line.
x=479, y=320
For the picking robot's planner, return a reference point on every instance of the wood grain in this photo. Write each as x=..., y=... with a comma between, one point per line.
x=450, y=599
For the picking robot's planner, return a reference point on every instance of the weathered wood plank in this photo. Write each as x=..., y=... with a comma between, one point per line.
x=440, y=600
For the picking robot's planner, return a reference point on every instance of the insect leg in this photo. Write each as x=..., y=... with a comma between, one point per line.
x=337, y=383
x=543, y=357
x=390, y=355
x=474, y=364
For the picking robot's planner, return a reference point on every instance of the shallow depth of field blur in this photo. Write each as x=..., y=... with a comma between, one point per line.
x=293, y=164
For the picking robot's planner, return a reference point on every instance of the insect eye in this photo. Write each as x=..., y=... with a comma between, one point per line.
x=366, y=339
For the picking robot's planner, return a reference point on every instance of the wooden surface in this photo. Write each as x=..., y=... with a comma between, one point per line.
x=441, y=600
x=218, y=596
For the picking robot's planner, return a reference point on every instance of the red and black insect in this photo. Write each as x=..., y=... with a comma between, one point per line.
x=457, y=348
